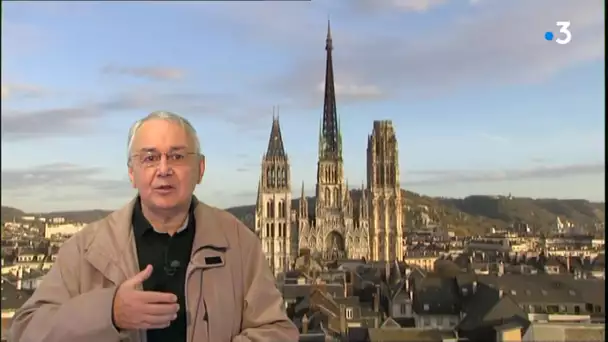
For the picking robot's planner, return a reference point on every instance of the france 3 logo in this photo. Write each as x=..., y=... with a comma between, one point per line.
x=565, y=36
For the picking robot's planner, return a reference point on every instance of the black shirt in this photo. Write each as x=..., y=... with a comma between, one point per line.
x=169, y=255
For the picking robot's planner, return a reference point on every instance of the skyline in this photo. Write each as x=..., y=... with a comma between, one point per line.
x=478, y=103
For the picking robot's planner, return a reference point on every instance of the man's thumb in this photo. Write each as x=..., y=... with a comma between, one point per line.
x=140, y=277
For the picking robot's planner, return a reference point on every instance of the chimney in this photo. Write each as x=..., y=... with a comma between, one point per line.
x=343, y=320
x=377, y=299
x=305, y=322
x=19, y=285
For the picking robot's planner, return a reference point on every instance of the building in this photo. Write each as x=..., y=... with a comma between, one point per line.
x=337, y=229
x=273, y=207
x=386, y=221
x=344, y=223
x=61, y=229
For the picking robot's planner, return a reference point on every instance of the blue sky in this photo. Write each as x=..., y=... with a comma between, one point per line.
x=481, y=102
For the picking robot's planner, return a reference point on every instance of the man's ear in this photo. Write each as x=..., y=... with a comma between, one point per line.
x=201, y=168
x=132, y=177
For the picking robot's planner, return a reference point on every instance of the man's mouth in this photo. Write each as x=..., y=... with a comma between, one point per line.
x=164, y=187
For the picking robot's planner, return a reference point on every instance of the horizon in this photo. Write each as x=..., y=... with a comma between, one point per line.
x=480, y=105
x=314, y=197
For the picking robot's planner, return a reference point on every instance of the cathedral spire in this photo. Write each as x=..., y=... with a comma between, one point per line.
x=258, y=200
x=275, y=142
x=330, y=144
x=303, y=204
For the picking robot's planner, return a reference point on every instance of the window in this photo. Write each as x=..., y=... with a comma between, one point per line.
x=403, y=309
x=439, y=320
x=589, y=307
x=577, y=310
x=349, y=313
x=552, y=309
x=562, y=309
x=538, y=309
x=425, y=307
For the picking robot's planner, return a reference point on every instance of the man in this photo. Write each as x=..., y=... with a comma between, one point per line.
x=166, y=267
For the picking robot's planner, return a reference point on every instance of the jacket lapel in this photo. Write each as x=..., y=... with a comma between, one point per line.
x=209, y=232
x=112, y=251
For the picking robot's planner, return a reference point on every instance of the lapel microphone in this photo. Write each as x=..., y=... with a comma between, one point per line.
x=172, y=267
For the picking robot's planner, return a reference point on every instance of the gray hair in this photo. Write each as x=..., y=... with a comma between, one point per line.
x=167, y=116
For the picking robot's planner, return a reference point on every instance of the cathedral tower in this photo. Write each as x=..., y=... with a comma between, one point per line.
x=332, y=232
x=273, y=208
x=386, y=216
x=330, y=190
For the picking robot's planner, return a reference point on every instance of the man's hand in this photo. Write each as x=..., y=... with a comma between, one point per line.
x=135, y=309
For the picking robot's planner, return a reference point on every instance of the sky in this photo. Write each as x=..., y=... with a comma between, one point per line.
x=481, y=102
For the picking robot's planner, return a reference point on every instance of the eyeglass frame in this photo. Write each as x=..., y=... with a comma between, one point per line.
x=167, y=155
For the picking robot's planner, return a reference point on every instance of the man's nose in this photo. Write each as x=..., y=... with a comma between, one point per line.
x=163, y=166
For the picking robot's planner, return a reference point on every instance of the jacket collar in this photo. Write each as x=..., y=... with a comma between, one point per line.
x=112, y=249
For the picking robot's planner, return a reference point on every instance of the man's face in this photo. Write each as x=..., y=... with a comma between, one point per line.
x=164, y=166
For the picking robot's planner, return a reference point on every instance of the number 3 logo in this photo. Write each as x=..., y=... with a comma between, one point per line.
x=564, y=25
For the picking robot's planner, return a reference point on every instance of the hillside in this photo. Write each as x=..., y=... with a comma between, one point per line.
x=473, y=214
x=477, y=214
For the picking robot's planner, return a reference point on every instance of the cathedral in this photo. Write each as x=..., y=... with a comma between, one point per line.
x=355, y=224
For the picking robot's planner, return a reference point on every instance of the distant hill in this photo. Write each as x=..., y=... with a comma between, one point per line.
x=9, y=213
x=473, y=214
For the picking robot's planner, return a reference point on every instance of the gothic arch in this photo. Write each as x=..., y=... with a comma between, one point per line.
x=334, y=246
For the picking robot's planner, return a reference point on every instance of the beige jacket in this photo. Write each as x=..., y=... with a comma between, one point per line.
x=74, y=301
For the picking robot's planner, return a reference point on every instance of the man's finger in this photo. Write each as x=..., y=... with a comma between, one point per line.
x=155, y=320
x=140, y=277
x=161, y=309
x=157, y=297
x=155, y=326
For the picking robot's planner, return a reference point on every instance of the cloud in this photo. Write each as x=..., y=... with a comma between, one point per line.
x=493, y=43
x=494, y=138
x=22, y=90
x=443, y=177
x=401, y=5
x=247, y=194
x=63, y=186
x=152, y=73
x=59, y=176
x=22, y=125
x=83, y=118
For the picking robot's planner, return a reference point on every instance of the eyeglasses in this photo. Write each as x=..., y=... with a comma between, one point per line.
x=152, y=159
